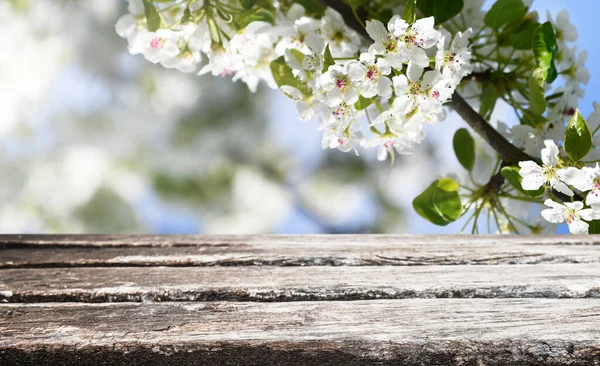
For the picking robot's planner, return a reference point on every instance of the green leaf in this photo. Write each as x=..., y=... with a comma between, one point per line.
x=522, y=37
x=299, y=56
x=594, y=227
x=532, y=119
x=440, y=202
x=511, y=173
x=363, y=102
x=578, y=139
x=545, y=49
x=441, y=10
x=503, y=12
x=247, y=4
x=152, y=16
x=488, y=100
x=328, y=59
x=283, y=75
x=464, y=148
x=537, y=96
x=410, y=11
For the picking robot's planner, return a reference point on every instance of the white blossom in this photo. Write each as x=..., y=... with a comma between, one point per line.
x=370, y=76
x=453, y=59
x=294, y=29
x=565, y=31
x=535, y=176
x=343, y=41
x=386, y=42
x=572, y=212
x=155, y=46
x=420, y=90
x=404, y=43
x=338, y=86
x=252, y=51
x=343, y=138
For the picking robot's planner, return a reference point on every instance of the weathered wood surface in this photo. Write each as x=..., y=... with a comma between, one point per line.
x=258, y=283
x=300, y=300
x=427, y=332
x=324, y=250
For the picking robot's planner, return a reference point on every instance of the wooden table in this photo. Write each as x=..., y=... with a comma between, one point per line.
x=299, y=300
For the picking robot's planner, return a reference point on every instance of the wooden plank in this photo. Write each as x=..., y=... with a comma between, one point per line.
x=342, y=250
x=384, y=332
x=255, y=283
x=286, y=240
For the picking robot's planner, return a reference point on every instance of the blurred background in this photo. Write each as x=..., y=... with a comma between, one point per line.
x=94, y=140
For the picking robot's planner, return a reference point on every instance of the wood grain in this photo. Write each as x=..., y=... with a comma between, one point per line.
x=256, y=283
x=300, y=300
x=407, y=332
x=342, y=250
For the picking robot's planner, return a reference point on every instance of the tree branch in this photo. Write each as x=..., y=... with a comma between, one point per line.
x=509, y=153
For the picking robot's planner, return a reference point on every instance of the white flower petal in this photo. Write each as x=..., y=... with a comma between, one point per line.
x=553, y=215
x=576, y=178
x=578, y=227
x=376, y=30
x=593, y=199
x=589, y=214
x=550, y=153
x=384, y=87
x=400, y=84
x=576, y=205
x=414, y=72
x=382, y=153
x=548, y=202
x=561, y=187
x=305, y=112
x=532, y=182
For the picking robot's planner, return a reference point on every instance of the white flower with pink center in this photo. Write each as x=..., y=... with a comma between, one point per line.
x=155, y=46
x=571, y=212
x=415, y=39
x=453, y=59
x=420, y=90
x=219, y=63
x=593, y=198
x=584, y=179
x=338, y=87
x=390, y=141
x=535, y=176
x=370, y=76
x=400, y=133
x=341, y=135
x=386, y=42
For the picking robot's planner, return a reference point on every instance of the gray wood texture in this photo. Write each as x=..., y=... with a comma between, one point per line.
x=300, y=300
x=322, y=250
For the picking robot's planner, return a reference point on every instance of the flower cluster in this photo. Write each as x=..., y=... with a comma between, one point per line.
x=562, y=179
x=395, y=75
x=398, y=82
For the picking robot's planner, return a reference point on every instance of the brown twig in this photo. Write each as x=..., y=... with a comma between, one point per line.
x=510, y=153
